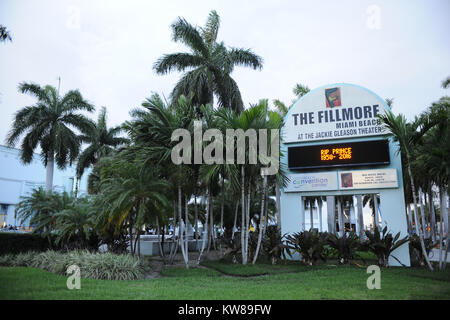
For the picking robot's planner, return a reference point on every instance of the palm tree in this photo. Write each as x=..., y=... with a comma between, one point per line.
x=151, y=130
x=39, y=210
x=407, y=136
x=101, y=140
x=446, y=83
x=48, y=123
x=4, y=34
x=299, y=91
x=433, y=156
x=207, y=68
x=76, y=221
x=133, y=193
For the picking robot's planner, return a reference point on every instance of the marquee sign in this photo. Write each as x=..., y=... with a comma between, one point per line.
x=335, y=112
x=375, y=152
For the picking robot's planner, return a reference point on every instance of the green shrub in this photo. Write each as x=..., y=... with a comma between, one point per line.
x=273, y=245
x=6, y=260
x=21, y=242
x=345, y=246
x=382, y=244
x=105, y=266
x=310, y=244
x=415, y=249
x=23, y=259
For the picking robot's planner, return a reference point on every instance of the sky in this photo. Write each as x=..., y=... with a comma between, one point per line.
x=106, y=49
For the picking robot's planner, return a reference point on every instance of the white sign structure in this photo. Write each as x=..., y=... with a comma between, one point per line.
x=368, y=179
x=336, y=112
x=312, y=182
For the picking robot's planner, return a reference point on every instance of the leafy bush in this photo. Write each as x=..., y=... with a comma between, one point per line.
x=21, y=242
x=310, y=244
x=232, y=246
x=382, y=244
x=415, y=249
x=345, y=246
x=273, y=245
x=106, y=266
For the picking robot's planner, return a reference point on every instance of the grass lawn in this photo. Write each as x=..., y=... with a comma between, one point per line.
x=225, y=281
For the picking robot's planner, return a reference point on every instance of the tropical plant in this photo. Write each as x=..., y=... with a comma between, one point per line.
x=207, y=68
x=134, y=194
x=48, y=123
x=416, y=250
x=383, y=243
x=274, y=246
x=76, y=223
x=101, y=139
x=311, y=245
x=104, y=266
x=346, y=246
x=407, y=135
x=39, y=210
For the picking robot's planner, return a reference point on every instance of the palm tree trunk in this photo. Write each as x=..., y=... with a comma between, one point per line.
x=196, y=221
x=261, y=222
x=138, y=238
x=422, y=211
x=181, y=227
x=413, y=189
x=244, y=258
x=161, y=251
x=409, y=219
x=433, y=213
x=278, y=197
x=444, y=212
x=222, y=204
x=49, y=174
x=205, y=225
x=247, y=222
x=235, y=220
x=186, y=219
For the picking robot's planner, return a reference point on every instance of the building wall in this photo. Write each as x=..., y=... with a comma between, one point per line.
x=18, y=179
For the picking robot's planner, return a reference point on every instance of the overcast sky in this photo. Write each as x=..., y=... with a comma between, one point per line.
x=106, y=49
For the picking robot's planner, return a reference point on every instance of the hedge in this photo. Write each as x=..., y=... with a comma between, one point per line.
x=12, y=243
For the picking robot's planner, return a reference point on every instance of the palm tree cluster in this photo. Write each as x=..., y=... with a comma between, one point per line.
x=425, y=150
x=134, y=186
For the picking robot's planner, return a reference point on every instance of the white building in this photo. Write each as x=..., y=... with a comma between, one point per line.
x=18, y=179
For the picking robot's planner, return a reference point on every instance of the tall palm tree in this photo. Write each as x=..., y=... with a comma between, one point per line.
x=151, y=130
x=433, y=156
x=101, y=140
x=407, y=135
x=49, y=123
x=207, y=68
